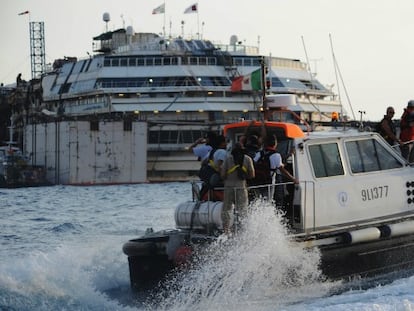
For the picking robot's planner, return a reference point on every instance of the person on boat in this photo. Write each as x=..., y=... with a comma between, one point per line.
x=259, y=134
x=202, y=146
x=275, y=173
x=212, y=165
x=334, y=116
x=19, y=79
x=236, y=169
x=407, y=132
x=252, y=145
x=387, y=127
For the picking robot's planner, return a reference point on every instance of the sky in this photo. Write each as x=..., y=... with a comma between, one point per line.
x=371, y=40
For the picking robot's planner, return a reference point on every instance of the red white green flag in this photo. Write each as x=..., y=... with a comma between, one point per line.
x=250, y=82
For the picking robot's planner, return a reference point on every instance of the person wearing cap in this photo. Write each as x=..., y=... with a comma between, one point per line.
x=387, y=127
x=202, y=146
x=407, y=132
x=252, y=145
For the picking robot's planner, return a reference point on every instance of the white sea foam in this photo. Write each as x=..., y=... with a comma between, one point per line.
x=72, y=277
x=258, y=264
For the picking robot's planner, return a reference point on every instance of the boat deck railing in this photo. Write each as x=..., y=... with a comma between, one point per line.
x=262, y=193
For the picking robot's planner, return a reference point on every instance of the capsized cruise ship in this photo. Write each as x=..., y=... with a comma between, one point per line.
x=128, y=113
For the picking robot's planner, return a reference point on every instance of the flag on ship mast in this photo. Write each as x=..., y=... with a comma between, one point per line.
x=250, y=82
x=192, y=9
x=159, y=9
x=24, y=13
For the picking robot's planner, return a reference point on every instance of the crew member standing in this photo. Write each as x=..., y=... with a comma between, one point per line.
x=236, y=168
x=407, y=132
x=387, y=127
x=276, y=169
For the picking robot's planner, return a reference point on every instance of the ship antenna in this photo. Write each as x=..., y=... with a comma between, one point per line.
x=263, y=87
x=311, y=78
x=202, y=30
x=338, y=72
x=106, y=18
x=123, y=21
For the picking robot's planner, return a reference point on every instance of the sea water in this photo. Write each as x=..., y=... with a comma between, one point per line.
x=61, y=249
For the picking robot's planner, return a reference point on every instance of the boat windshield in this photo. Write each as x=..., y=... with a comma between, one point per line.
x=369, y=156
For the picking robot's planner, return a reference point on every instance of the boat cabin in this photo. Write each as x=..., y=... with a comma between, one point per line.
x=354, y=201
x=347, y=179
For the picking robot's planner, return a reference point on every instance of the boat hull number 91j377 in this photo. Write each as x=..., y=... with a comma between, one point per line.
x=374, y=193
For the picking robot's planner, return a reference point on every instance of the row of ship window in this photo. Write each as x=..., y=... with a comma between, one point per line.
x=177, y=81
x=171, y=61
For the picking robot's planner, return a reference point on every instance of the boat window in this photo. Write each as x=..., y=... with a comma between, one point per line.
x=256, y=62
x=174, y=136
x=276, y=82
x=157, y=61
x=115, y=62
x=238, y=62
x=124, y=62
x=369, y=155
x=212, y=61
x=132, y=62
x=326, y=160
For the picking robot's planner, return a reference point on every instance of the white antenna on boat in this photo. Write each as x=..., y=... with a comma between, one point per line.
x=123, y=21
x=337, y=71
x=182, y=29
x=202, y=30
x=311, y=78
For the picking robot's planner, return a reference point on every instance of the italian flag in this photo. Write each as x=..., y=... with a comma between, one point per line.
x=250, y=82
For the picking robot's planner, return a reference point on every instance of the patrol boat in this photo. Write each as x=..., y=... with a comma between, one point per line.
x=16, y=169
x=354, y=201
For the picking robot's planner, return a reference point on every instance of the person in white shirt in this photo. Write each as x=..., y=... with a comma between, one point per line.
x=277, y=168
x=202, y=146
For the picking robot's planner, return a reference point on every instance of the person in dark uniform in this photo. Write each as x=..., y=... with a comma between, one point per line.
x=387, y=127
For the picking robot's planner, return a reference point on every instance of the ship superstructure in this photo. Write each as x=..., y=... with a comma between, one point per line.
x=161, y=93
